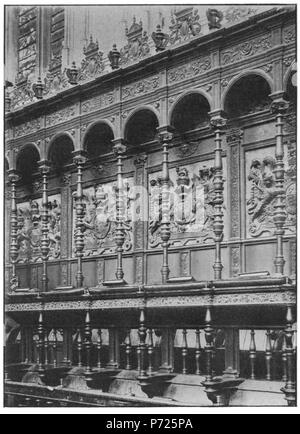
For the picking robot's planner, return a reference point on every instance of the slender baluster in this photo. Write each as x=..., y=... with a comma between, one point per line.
x=184, y=351
x=209, y=348
x=88, y=342
x=99, y=349
x=165, y=138
x=54, y=348
x=252, y=355
x=279, y=107
x=218, y=123
x=45, y=242
x=268, y=356
x=14, y=280
x=284, y=359
x=79, y=160
x=128, y=350
x=46, y=347
x=120, y=149
x=41, y=342
x=290, y=386
x=79, y=349
x=198, y=352
x=142, y=344
x=150, y=352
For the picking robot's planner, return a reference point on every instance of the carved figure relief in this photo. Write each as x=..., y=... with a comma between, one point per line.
x=191, y=205
x=29, y=229
x=185, y=24
x=262, y=193
x=100, y=218
x=239, y=13
x=137, y=46
x=92, y=65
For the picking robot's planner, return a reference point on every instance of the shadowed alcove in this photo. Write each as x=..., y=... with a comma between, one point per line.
x=27, y=163
x=250, y=94
x=98, y=140
x=141, y=128
x=60, y=152
x=190, y=113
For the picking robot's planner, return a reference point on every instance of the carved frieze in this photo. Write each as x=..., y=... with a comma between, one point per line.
x=137, y=46
x=235, y=14
x=60, y=116
x=97, y=102
x=189, y=70
x=191, y=205
x=246, y=49
x=141, y=87
x=30, y=231
x=185, y=24
x=28, y=127
x=289, y=35
x=100, y=218
x=21, y=95
x=262, y=192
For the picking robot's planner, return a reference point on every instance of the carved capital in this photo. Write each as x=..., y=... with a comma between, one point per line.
x=218, y=122
x=119, y=147
x=44, y=166
x=234, y=135
x=165, y=134
x=279, y=106
x=13, y=176
x=79, y=157
x=140, y=160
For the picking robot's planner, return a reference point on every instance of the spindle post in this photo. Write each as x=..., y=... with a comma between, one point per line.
x=79, y=160
x=252, y=356
x=142, y=345
x=268, y=356
x=79, y=349
x=209, y=348
x=290, y=387
x=218, y=123
x=198, y=352
x=165, y=137
x=46, y=347
x=88, y=342
x=99, y=349
x=284, y=359
x=184, y=351
x=14, y=279
x=41, y=342
x=45, y=241
x=150, y=352
x=128, y=350
x=54, y=348
x=279, y=107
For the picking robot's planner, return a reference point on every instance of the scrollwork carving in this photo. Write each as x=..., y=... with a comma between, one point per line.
x=189, y=70
x=92, y=65
x=140, y=88
x=60, y=116
x=246, y=49
x=137, y=46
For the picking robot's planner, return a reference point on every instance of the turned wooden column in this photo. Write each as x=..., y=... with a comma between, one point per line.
x=119, y=150
x=209, y=348
x=41, y=342
x=88, y=342
x=14, y=280
x=290, y=387
x=165, y=137
x=142, y=345
x=45, y=169
x=79, y=159
x=279, y=107
x=218, y=123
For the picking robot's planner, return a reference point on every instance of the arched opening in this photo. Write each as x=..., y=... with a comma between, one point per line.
x=60, y=152
x=98, y=140
x=291, y=91
x=248, y=95
x=190, y=113
x=141, y=128
x=27, y=163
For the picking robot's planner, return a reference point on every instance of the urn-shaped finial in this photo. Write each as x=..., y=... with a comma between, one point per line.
x=160, y=38
x=38, y=88
x=72, y=74
x=114, y=57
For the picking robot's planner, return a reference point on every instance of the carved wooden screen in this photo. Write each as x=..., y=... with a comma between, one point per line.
x=27, y=41
x=57, y=36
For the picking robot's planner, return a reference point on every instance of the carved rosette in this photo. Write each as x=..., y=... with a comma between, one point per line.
x=218, y=124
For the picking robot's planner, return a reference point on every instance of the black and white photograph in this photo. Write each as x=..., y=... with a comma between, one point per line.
x=149, y=209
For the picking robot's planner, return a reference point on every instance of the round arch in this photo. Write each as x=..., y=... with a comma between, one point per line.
x=27, y=161
x=141, y=126
x=185, y=94
x=244, y=74
x=59, y=150
x=101, y=133
x=290, y=71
